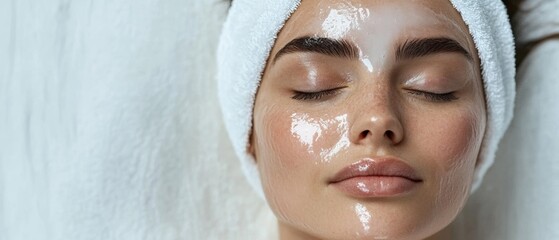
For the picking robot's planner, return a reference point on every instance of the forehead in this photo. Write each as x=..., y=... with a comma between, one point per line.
x=375, y=26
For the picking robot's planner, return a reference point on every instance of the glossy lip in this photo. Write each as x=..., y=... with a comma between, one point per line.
x=378, y=177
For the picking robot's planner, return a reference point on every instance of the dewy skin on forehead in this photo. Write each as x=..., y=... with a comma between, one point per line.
x=370, y=146
x=342, y=19
x=347, y=20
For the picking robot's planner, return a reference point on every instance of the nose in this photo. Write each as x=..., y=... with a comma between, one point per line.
x=377, y=122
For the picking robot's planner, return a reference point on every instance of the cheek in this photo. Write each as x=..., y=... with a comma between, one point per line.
x=457, y=142
x=284, y=149
x=297, y=140
x=270, y=139
x=451, y=140
x=292, y=150
x=282, y=141
x=450, y=146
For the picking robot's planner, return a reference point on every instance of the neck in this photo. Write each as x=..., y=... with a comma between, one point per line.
x=287, y=232
x=444, y=234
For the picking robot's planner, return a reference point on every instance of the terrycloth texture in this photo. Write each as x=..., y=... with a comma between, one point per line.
x=536, y=20
x=491, y=30
x=519, y=194
x=252, y=26
x=248, y=36
x=110, y=125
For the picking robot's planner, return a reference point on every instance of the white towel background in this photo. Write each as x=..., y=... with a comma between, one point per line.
x=110, y=129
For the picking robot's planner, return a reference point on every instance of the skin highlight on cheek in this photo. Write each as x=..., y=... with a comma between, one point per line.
x=340, y=129
x=315, y=139
x=309, y=131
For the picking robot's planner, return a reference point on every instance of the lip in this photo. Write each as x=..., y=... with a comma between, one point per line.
x=378, y=177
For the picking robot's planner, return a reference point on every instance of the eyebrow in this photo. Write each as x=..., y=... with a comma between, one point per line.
x=426, y=46
x=327, y=46
x=413, y=48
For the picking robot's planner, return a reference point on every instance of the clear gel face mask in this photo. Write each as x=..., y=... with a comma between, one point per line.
x=368, y=120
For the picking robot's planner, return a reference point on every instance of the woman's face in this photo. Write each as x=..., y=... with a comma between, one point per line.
x=369, y=119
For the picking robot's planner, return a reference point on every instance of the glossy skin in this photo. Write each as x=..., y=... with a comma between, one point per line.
x=370, y=107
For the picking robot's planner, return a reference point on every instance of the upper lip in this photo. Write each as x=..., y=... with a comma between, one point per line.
x=380, y=167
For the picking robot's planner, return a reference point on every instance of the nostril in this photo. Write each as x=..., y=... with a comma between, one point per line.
x=389, y=134
x=364, y=134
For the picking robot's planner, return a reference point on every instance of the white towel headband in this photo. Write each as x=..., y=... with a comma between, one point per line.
x=249, y=34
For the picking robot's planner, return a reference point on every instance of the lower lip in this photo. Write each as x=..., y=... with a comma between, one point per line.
x=376, y=186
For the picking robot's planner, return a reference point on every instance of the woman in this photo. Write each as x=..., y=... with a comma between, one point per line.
x=366, y=119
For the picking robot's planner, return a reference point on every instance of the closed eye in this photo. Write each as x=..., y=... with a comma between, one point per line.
x=435, y=97
x=315, y=96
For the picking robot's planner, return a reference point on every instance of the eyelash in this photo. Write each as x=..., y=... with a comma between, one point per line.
x=436, y=97
x=315, y=96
